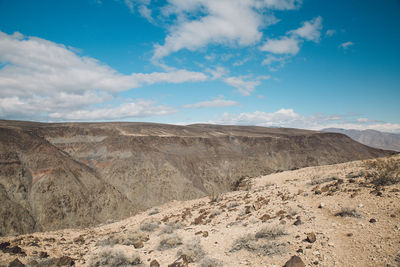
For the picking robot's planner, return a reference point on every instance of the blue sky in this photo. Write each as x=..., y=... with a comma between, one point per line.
x=288, y=63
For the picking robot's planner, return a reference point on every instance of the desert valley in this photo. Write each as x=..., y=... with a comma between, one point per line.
x=127, y=194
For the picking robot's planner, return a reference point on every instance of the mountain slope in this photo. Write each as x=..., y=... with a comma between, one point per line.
x=81, y=174
x=371, y=138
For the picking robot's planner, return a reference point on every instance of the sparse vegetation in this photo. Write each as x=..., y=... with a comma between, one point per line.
x=126, y=239
x=261, y=243
x=382, y=172
x=232, y=204
x=210, y=262
x=168, y=242
x=170, y=227
x=193, y=251
x=111, y=256
x=318, y=181
x=348, y=212
x=149, y=226
x=154, y=211
x=271, y=232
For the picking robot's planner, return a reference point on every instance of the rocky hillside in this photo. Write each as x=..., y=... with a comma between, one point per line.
x=337, y=215
x=56, y=176
x=371, y=138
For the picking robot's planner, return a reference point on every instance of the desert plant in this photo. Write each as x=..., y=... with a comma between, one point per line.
x=381, y=172
x=149, y=226
x=111, y=256
x=317, y=181
x=170, y=227
x=126, y=239
x=210, y=262
x=260, y=247
x=168, y=242
x=348, y=212
x=232, y=204
x=271, y=232
x=154, y=211
x=193, y=251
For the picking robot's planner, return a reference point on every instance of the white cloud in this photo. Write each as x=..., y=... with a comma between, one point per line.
x=243, y=86
x=38, y=72
x=217, y=73
x=290, y=44
x=274, y=63
x=232, y=22
x=213, y=103
x=346, y=45
x=284, y=45
x=310, y=31
x=290, y=119
x=330, y=33
x=141, y=108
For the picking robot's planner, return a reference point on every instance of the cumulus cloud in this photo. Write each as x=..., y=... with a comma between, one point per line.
x=284, y=45
x=330, y=32
x=310, y=31
x=141, y=108
x=39, y=77
x=290, y=44
x=217, y=22
x=346, y=45
x=244, y=85
x=290, y=119
x=213, y=103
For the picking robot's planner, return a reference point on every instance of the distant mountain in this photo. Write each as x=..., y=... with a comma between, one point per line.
x=371, y=138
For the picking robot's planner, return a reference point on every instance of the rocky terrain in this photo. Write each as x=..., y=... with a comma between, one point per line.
x=336, y=215
x=65, y=175
x=371, y=138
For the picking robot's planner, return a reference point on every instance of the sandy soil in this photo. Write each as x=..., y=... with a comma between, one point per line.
x=272, y=217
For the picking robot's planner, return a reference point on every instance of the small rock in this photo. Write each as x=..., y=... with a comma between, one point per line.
x=316, y=253
x=349, y=234
x=321, y=205
x=16, y=263
x=65, y=261
x=15, y=250
x=154, y=263
x=300, y=250
x=311, y=238
x=43, y=255
x=295, y=261
x=372, y=220
x=205, y=233
x=79, y=240
x=138, y=244
x=298, y=222
x=4, y=246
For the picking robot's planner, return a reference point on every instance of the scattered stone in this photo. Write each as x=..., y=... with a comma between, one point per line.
x=138, y=244
x=372, y=220
x=43, y=254
x=300, y=250
x=154, y=263
x=16, y=263
x=295, y=261
x=265, y=218
x=65, y=261
x=321, y=205
x=311, y=238
x=318, y=192
x=205, y=233
x=298, y=222
x=15, y=250
x=79, y=240
x=182, y=261
x=349, y=234
x=4, y=246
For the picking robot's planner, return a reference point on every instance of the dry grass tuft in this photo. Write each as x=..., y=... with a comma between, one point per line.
x=111, y=256
x=381, y=172
x=271, y=232
x=193, y=251
x=168, y=242
x=348, y=212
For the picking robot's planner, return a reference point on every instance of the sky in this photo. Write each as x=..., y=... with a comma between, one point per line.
x=307, y=64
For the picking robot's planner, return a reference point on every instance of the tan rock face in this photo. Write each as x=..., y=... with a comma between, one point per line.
x=56, y=176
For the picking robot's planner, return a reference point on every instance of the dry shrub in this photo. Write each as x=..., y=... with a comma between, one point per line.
x=154, y=211
x=112, y=256
x=169, y=228
x=261, y=243
x=193, y=251
x=271, y=232
x=384, y=171
x=317, y=181
x=149, y=226
x=210, y=262
x=126, y=239
x=348, y=212
x=168, y=242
